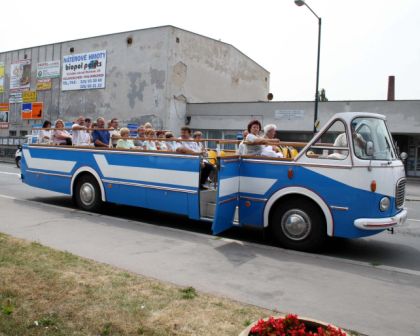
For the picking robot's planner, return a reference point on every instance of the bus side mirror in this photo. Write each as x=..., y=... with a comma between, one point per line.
x=369, y=148
x=403, y=156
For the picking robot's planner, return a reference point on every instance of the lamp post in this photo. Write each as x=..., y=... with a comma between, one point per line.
x=303, y=3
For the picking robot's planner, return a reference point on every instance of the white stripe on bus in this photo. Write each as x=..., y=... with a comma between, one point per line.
x=151, y=175
x=61, y=166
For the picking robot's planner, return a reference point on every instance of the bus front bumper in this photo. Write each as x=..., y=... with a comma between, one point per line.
x=381, y=223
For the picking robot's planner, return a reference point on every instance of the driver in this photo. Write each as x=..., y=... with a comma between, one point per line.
x=358, y=142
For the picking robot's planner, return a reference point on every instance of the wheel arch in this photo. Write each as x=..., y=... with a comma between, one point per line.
x=299, y=192
x=87, y=170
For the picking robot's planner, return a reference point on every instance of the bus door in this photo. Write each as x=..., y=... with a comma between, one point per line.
x=227, y=194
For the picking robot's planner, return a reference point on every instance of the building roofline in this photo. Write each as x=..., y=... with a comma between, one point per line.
x=308, y=101
x=85, y=38
x=132, y=31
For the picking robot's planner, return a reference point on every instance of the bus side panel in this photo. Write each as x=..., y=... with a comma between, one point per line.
x=58, y=184
x=123, y=194
x=161, y=182
x=258, y=182
x=156, y=181
x=169, y=201
x=251, y=212
x=57, y=181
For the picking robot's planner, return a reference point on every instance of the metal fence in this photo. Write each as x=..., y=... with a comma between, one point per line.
x=8, y=147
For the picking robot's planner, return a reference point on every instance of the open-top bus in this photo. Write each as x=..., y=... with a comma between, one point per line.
x=353, y=188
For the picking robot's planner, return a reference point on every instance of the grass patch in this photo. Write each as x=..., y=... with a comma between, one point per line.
x=188, y=293
x=52, y=293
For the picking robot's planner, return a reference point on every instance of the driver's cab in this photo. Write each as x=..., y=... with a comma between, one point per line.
x=352, y=139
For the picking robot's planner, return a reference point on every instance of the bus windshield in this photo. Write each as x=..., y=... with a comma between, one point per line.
x=371, y=139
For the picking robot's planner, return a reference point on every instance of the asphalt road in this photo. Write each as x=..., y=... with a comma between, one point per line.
x=371, y=285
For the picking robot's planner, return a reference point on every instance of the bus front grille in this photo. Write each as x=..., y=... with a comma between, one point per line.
x=400, y=193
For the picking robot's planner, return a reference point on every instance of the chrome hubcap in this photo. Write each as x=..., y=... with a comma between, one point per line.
x=87, y=194
x=296, y=224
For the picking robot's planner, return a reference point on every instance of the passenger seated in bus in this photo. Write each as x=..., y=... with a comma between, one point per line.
x=89, y=126
x=60, y=136
x=100, y=136
x=149, y=144
x=161, y=144
x=197, y=136
x=114, y=133
x=140, y=134
x=148, y=126
x=124, y=142
x=80, y=136
x=171, y=142
x=271, y=150
x=190, y=147
x=254, y=142
x=242, y=147
x=45, y=134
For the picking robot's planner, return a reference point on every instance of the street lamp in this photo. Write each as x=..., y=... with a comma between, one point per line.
x=303, y=3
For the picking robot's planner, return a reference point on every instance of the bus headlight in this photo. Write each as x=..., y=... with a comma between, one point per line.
x=384, y=203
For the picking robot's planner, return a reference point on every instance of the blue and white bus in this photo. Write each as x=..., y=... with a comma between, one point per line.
x=346, y=182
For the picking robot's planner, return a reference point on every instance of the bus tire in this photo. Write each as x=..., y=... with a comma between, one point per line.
x=298, y=224
x=87, y=194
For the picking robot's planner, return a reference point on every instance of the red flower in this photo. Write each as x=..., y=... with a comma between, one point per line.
x=290, y=326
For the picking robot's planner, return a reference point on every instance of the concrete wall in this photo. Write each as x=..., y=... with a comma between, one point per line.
x=403, y=116
x=150, y=80
x=206, y=70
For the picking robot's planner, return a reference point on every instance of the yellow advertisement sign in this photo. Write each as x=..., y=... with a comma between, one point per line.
x=1, y=77
x=28, y=96
x=43, y=84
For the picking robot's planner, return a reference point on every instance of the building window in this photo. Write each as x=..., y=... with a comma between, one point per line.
x=12, y=133
x=23, y=133
x=177, y=40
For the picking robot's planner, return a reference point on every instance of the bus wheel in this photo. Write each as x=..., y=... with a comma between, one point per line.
x=88, y=194
x=299, y=225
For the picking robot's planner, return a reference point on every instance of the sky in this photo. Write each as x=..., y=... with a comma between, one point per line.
x=362, y=41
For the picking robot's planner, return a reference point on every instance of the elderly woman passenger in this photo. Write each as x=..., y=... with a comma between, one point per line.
x=271, y=150
x=124, y=142
x=60, y=136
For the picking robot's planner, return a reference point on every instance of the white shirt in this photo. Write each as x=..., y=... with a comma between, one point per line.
x=191, y=145
x=242, y=149
x=80, y=137
x=341, y=141
x=172, y=145
x=149, y=145
x=115, y=133
x=253, y=149
x=43, y=134
x=269, y=151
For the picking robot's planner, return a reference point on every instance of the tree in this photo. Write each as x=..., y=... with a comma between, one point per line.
x=322, y=96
